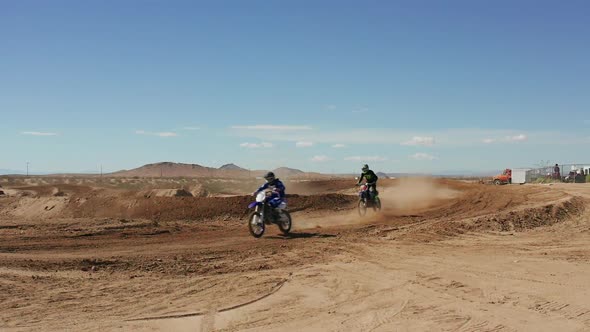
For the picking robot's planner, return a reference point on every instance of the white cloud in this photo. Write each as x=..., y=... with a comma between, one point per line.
x=366, y=158
x=331, y=107
x=273, y=127
x=38, y=133
x=458, y=137
x=517, y=138
x=320, y=159
x=191, y=128
x=166, y=134
x=422, y=156
x=362, y=110
x=420, y=140
x=304, y=144
x=160, y=134
x=509, y=138
x=264, y=145
x=338, y=146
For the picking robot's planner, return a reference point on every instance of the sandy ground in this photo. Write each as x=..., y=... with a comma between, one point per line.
x=442, y=256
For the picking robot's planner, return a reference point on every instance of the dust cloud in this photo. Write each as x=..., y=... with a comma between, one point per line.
x=407, y=196
x=412, y=195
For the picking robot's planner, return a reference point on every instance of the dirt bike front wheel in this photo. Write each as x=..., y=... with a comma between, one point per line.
x=255, y=225
x=362, y=207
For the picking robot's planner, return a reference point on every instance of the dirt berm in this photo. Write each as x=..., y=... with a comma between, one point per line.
x=159, y=208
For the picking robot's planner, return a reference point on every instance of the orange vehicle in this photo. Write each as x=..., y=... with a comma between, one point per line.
x=504, y=178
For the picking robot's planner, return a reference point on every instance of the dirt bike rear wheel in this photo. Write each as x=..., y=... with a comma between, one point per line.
x=362, y=206
x=255, y=225
x=285, y=222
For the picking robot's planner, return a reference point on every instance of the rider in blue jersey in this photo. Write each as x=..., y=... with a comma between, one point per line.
x=278, y=190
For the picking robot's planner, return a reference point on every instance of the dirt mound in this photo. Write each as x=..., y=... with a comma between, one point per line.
x=191, y=208
x=517, y=221
x=417, y=228
x=405, y=202
x=193, y=202
x=423, y=209
x=165, y=193
x=57, y=193
x=53, y=190
x=304, y=187
x=531, y=217
x=36, y=207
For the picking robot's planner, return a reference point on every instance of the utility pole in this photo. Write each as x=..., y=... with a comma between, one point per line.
x=27, y=169
x=101, y=173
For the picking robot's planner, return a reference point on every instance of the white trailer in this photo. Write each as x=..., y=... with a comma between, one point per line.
x=521, y=175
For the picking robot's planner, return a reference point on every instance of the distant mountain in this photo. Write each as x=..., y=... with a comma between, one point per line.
x=166, y=169
x=232, y=167
x=10, y=172
x=286, y=172
x=170, y=169
x=17, y=172
x=382, y=175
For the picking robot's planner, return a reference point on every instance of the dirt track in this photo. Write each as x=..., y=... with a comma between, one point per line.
x=444, y=256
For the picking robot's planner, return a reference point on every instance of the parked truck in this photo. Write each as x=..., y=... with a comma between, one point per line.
x=513, y=176
x=504, y=178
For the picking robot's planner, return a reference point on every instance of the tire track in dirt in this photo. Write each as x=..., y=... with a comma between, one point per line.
x=274, y=289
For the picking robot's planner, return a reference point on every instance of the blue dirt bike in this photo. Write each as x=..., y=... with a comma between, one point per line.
x=264, y=214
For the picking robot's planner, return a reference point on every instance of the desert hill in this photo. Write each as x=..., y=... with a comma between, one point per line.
x=231, y=167
x=286, y=172
x=171, y=169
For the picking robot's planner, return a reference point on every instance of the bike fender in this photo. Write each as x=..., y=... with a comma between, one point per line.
x=253, y=204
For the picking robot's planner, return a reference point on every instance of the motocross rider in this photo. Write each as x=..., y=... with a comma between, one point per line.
x=278, y=190
x=370, y=177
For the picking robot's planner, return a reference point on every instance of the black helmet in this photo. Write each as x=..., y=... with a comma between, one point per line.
x=365, y=168
x=269, y=177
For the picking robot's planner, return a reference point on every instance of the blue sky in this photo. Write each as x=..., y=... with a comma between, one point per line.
x=424, y=86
